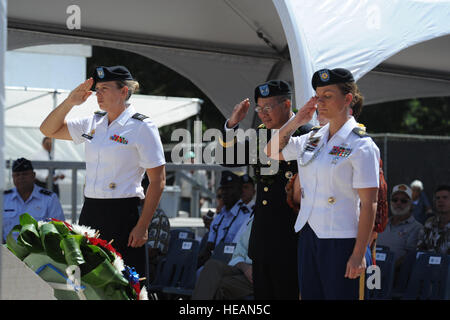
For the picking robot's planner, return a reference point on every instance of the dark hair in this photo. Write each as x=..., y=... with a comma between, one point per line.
x=443, y=187
x=133, y=86
x=358, y=99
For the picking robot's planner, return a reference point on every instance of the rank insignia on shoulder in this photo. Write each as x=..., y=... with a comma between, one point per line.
x=100, y=113
x=262, y=126
x=46, y=192
x=139, y=116
x=360, y=132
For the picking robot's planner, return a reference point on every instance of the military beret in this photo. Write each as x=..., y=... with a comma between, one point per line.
x=272, y=88
x=326, y=77
x=21, y=164
x=247, y=179
x=114, y=73
x=229, y=177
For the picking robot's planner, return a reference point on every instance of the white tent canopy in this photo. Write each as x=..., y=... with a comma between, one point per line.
x=397, y=48
x=26, y=108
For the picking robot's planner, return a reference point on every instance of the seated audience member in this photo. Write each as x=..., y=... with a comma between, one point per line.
x=220, y=281
x=26, y=197
x=435, y=235
x=402, y=230
x=421, y=206
x=229, y=220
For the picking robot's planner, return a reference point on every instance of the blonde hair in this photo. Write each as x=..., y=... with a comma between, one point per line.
x=133, y=86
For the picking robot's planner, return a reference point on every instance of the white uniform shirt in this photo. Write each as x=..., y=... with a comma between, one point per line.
x=117, y=155
x=41, y=204
x=345, y=163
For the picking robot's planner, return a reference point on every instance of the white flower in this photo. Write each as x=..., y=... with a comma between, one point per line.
x=84, y=231
x=118, y=263
x=143, y=295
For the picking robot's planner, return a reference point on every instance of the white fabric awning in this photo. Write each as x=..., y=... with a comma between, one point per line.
x=25, y=109
x=28, y=107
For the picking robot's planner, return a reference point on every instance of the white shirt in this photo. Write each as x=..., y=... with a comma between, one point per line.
x=117, y=155
x=330, y=200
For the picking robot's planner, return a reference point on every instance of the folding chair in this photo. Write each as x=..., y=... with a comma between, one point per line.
x=428, y=278
x=401, y=278
x=385, y=260
x=223, y=251
x=176, y=274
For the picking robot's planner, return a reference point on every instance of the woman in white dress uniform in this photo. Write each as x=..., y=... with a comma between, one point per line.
x=121, y=145
x=339, y=172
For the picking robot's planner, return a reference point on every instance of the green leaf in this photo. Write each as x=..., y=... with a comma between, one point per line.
x=61, y=227
x=72, y=252
x=19, y=250
x=25, y=219
x=104, y=274
x=51, y=239
x=29, y=238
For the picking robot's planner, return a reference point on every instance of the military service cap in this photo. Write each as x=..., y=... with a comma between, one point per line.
x=247, y=179
x=326, y=77
x=114, y=73
x=21, y=164
x=272, y=88
x=229, y=177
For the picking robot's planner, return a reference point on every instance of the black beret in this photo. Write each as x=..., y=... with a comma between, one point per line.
x=229, y=177
x=114, y=73
x=21, y=164
x=247, y=179
x=272, y=88
x=326, y=77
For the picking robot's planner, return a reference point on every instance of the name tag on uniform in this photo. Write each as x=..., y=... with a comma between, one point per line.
x=84, y=135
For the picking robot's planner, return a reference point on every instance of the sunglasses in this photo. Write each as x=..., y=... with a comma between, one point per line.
x=401, y=200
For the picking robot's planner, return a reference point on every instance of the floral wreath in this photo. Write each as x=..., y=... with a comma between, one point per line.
x=101, y=266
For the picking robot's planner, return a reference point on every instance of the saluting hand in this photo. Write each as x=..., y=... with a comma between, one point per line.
x=80, y=93
x=306, y=112
x=239, y=112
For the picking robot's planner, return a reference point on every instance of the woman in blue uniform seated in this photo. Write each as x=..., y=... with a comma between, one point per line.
x=338, y=166
x=120, y=145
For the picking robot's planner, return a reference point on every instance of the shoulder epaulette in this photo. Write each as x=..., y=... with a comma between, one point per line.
x=7, y=191
x=316, y=128
x=262, y=126
x=139, y=116
x=100, y=113
x=46, y=192
x=360, y=132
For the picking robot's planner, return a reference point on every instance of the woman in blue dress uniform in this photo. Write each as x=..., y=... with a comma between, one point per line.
x=338, y=166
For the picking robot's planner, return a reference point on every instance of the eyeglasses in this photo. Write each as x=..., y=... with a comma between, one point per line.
x=266, y=109
x=401, y=200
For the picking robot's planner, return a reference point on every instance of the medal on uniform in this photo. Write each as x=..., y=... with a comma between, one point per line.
x=339, y=152
x=119, y=139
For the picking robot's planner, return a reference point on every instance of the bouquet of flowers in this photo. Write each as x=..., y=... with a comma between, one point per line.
x=61, y=246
